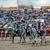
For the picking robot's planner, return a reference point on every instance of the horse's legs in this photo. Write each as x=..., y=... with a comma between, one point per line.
x=44, y=39
x=41, y=40
x=45, y=36
x=24, y=37
x=34, y=41
x=5, y=36
x=20, y=38
x=12, y=38
x=9, y=36
x=31, y=38
x=2, y=35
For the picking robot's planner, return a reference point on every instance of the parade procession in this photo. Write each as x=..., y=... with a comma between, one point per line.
x=24, y=23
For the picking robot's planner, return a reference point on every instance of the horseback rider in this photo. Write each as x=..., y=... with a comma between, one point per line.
x=23, y=31
x=41, y=31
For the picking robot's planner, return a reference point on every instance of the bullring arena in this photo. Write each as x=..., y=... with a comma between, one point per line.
x=24, y=25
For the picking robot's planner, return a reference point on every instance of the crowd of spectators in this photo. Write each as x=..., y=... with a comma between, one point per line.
x=30, y=16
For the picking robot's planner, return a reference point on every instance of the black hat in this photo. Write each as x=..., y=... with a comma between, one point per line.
x=23, y=21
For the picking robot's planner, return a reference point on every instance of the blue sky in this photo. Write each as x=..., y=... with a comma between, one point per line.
x=35, y=3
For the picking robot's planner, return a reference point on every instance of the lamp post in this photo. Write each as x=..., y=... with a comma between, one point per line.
x=1, y=7
x=17, y=4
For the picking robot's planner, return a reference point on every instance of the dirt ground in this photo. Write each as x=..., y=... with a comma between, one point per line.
x=7, y=45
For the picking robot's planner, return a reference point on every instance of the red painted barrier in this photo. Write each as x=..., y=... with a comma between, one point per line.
x=48, y=32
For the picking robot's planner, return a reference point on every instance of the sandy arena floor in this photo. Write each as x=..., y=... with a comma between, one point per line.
x=7, y=45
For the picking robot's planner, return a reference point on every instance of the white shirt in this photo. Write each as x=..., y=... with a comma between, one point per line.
x=42, y=20
x=5, y=26
x=30, y=25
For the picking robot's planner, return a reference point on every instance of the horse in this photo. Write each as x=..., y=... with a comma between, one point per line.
x=42, y=32
x=32, y=33
x=22, y=32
